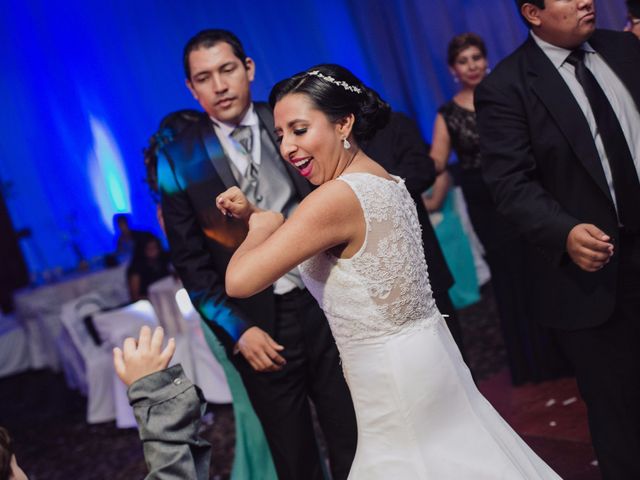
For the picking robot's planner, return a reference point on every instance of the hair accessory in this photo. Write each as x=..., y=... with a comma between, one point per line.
x=346, y=144
x=340, y=83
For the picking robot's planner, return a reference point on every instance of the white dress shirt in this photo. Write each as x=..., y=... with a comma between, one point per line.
x=231, y=147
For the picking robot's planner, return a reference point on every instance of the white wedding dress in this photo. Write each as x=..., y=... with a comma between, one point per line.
x=419, y=414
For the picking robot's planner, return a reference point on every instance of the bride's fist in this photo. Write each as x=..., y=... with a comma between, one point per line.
x=234, y=203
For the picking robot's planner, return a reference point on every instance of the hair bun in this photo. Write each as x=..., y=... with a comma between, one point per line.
x=374, y=114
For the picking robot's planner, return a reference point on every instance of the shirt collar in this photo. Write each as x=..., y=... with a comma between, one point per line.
x=250, y=119
x=558, y=55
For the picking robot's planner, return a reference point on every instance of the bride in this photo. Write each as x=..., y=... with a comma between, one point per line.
x=357, y=241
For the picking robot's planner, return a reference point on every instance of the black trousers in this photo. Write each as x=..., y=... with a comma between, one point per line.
x=607, y=363
x=532, y=352
x=281, y=399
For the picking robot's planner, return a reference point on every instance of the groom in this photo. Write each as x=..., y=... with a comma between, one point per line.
x=279, y=339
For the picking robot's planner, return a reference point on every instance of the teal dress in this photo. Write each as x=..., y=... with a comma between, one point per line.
x=252, y=459
x=457, y=252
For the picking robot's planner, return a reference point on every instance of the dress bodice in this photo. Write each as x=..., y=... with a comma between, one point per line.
x=465, y=140
x=384, y=288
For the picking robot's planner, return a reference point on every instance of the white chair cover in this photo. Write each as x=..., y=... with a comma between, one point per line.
x=207, y=371
x=113, y=328
x=94, y=372
x=162, y=295
x=14, y=350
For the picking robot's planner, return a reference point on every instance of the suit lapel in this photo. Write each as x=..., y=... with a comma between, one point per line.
x=216, y=154
x=266, y=121
x=551, y=89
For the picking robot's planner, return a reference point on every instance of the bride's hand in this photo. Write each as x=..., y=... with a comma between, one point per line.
x=234, y=203
x=266, y=220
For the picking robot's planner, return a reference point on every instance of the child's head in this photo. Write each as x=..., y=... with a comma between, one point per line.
x=9, y=469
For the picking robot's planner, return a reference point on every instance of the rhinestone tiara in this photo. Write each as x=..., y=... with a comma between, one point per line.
x=340, y=83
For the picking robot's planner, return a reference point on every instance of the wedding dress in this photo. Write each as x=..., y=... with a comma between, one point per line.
x=419, y=413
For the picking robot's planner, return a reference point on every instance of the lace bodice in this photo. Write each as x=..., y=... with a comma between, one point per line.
x=384, y=288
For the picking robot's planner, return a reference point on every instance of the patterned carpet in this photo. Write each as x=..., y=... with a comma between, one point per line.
x=54, y=442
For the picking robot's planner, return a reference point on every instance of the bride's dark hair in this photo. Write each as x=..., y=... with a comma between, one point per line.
x=337, y=92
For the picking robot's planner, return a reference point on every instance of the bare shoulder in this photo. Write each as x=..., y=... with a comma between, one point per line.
x=334, y=200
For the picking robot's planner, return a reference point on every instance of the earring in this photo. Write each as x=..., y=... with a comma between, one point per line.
x=346, y=144
x=488, y=70
x=456, y=79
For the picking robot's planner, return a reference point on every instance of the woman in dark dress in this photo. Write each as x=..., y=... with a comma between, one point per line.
x=531, y=354
x=150, y=262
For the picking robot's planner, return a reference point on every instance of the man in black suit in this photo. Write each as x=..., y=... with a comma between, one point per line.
x=279, y=340
x=559, y=130
x=401, y=150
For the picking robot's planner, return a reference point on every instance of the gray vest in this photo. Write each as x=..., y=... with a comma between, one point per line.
x=275, y=190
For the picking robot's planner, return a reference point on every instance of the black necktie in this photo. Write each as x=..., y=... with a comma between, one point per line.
x=625, y=177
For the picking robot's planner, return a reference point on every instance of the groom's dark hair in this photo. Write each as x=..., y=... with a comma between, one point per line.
x=207, y=39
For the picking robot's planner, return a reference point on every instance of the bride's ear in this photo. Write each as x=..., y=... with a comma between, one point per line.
x=345, y=125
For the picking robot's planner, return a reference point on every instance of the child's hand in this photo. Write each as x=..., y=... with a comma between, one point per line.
x=137, y=360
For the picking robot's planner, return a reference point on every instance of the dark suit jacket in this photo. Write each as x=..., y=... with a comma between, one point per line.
x=192, y=171
x=400, y=149
x=542, y=166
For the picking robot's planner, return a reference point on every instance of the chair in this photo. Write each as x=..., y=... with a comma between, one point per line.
x=94, y=371
x=14, y=350
x=113, y=327
x=207, y=372
x=162, y=295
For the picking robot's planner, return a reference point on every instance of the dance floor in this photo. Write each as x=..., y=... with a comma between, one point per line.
x=54, y=442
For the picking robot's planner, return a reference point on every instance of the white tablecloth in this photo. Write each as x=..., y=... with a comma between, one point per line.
x=38, y=309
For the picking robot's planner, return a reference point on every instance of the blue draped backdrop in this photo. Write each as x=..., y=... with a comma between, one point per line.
x=85, y=83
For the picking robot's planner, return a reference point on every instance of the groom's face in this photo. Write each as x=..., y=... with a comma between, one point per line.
x=566, y=23
x=220, y=82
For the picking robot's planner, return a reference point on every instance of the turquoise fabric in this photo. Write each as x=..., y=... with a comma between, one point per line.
x=252, y=458
x=457, y=252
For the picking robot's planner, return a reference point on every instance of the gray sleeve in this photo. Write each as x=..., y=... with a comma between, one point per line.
x=168, y=408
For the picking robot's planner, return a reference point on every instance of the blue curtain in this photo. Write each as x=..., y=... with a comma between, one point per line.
x=85, y=83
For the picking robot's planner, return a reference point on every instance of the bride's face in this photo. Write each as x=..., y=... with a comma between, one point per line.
x=308, y=139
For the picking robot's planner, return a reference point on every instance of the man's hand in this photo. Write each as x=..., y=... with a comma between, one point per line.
x=136, y=361
x=234, y=203
x=589, y=247
x=260, y=350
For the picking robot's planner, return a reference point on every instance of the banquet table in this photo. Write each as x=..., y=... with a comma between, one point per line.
x=39, y=309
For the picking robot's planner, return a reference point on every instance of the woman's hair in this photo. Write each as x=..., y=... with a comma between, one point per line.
x=6, y=452
x=170, y=127
x=337, y=92
x=462, y=42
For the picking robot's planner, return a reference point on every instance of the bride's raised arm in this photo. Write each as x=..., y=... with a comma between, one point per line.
x=329, y=216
